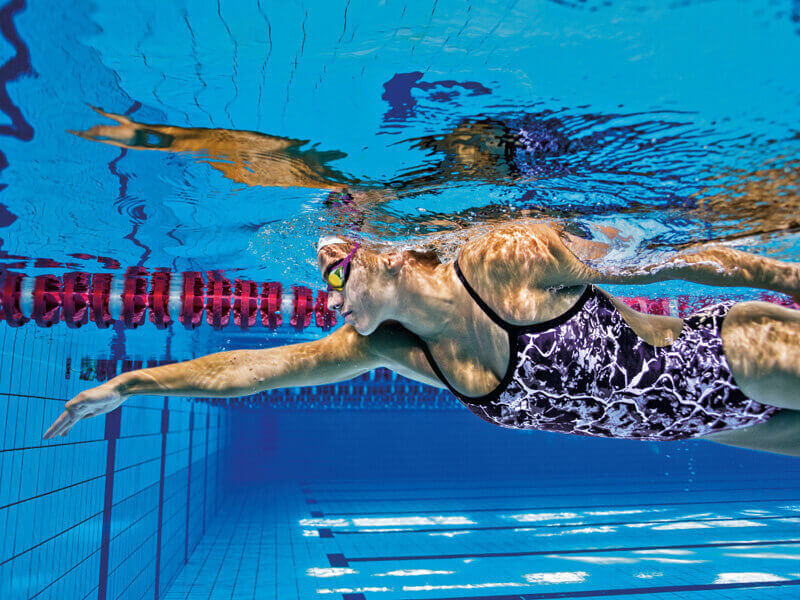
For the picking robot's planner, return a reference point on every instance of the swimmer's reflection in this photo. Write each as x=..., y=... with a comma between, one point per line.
x=473, y=150
x=486, y=150
x=743, y=203
x=249, y=157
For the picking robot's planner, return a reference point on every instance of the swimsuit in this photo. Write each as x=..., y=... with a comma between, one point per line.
x=587, y=372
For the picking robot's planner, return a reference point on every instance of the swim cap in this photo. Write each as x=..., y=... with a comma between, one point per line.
x=327, y=240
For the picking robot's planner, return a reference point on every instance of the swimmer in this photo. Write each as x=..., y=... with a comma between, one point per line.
x=519, y=331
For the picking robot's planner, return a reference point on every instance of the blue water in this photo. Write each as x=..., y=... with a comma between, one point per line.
x=672, y=122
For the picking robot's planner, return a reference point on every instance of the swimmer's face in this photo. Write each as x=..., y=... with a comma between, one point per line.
x=366, y=300
x=476, y=143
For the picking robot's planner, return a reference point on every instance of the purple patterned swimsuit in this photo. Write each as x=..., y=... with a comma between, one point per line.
x=587, y=372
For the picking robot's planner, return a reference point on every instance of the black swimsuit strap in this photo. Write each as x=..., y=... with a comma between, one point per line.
x=588, y=292
x=489, y=312
x=437, y=371
x=479, y=301
x=510, y=329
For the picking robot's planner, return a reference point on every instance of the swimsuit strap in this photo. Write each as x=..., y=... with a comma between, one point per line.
x=511, y=330
x=437, y=371
x=588, y=292
x=479, y=301
x=489, y=312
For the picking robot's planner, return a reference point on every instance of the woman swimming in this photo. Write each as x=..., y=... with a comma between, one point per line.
x=516, y=328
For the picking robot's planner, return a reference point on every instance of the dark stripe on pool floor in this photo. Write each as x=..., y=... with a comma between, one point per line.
x=521, y=485
x=559, y=484
x=605, y=506
x=342, y=561
x=620, y=592
x=332, y=532
x=610, y=493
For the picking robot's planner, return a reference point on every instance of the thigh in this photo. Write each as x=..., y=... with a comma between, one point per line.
x=761, y=342
x=780, y=434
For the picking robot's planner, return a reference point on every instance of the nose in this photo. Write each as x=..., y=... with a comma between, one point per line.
x=335, y=300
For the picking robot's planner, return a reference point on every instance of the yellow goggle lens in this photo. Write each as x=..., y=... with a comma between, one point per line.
x=336, y=278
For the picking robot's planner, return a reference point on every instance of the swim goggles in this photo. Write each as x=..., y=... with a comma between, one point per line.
x=338, y=274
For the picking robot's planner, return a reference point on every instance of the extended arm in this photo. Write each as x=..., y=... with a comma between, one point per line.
x=541, y=255
x=341, y=355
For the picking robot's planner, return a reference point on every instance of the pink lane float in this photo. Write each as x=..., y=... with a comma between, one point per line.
x=78, y=297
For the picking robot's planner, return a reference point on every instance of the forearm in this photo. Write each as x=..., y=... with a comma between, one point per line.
x=734, y=268
x=727, y=267
x=244, y=372
x=222, y=374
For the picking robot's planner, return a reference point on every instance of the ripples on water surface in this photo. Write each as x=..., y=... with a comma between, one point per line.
x=651, y=125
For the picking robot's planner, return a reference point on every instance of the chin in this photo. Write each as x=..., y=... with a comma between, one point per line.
x=361, y=330
x=364, y=328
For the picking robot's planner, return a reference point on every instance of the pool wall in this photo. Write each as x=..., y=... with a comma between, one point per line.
x=114, y=509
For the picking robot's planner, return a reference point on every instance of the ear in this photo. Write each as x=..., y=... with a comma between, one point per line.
x=392, y=263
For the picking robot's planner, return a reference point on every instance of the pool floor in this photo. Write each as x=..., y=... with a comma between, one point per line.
x=711, y=538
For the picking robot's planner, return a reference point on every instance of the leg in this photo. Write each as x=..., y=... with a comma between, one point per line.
x=780, y=435
x=761, y=342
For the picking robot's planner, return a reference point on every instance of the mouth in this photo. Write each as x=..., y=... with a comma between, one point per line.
x=344, y=314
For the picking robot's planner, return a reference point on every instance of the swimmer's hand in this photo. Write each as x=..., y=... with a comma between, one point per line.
x=89, y=403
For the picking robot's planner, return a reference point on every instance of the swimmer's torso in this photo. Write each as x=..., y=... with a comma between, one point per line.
x=588, y=372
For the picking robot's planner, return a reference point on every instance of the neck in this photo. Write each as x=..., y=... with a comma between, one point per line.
x=427, y=299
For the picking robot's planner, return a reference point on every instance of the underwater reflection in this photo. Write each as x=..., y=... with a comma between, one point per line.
x=565, y=167
x=744, y=203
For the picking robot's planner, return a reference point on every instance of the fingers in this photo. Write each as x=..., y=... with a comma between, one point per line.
x=66, y=421
x=61, y=425
x=67, y=429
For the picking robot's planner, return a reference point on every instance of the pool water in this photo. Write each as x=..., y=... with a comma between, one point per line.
x=242, y=131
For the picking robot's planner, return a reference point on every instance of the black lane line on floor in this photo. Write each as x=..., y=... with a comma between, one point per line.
x=553, y=482
x=337, y=560
x=342, y=561
x=619, y=592
x=557, y=507
x=610, y=493
x=332, y=532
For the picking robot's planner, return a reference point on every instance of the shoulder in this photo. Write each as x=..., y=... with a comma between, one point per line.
x=527, y=248
x=515, y=269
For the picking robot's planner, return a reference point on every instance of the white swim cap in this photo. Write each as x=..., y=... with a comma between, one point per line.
x=327, y=240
